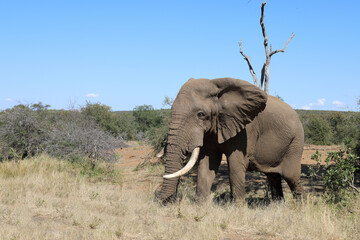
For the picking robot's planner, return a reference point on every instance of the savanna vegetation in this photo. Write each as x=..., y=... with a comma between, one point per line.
x=28, y=129
x=59, y=179
x=44, y=198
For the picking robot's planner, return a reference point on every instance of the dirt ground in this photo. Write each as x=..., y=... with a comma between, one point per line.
x=311, y=149
x=137, y=153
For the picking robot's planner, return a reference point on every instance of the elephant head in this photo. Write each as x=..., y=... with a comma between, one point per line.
x=215, y=109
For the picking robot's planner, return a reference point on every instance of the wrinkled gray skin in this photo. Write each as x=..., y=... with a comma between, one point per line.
x=231, y=116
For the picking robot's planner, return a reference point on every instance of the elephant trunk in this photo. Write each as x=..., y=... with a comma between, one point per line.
x=169, y=186
x=175, y=153
x=181, y=141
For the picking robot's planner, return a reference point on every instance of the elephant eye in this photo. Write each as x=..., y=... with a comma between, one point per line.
x=201, y=115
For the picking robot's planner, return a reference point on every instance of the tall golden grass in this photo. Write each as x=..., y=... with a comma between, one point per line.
x=44, y=198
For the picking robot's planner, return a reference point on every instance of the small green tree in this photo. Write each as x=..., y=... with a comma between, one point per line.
x=146, y=118
x=127, y=125
x=39, y=107
x=167, y=102
x=103, y=117
x=344, y=126
x=339, y=126
x=317, y=131
x=159, y=135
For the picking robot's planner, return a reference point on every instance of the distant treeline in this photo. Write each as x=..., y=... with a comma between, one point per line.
x=29, y=129
x=320, y=127
x=330, y=127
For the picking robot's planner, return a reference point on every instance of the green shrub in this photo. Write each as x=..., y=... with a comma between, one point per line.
x=146, y=117
x=159, y=135
x=338, y=126
x=126, y=125
x=103, y=117
x=147, y=120
x=317, y=131
x=338, y=174
x=344, y=126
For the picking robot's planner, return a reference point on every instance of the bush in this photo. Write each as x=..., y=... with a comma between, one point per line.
x=338, y=173
x=317, y=131
x=338, y=126
x=344, y=126
x=126, y=124
x=78, y=136
x=103, y=117
x=153, y=125
x=353, y=132
x=23, y=131
x=30, y=130
x=159, y=135
x=147, y=120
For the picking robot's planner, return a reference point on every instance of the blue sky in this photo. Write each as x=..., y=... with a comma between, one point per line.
x=129, y=53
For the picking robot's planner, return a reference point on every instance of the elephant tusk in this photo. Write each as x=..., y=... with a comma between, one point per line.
x=160, y=154
x=188, y=166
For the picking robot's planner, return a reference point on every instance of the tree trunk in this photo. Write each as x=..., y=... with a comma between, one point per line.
x=267, y=75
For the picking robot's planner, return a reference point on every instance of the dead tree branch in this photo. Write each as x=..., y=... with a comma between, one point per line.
x=265, y=70
x=265, y=76
x=247, y=58
x=355, y=188
x=282, y=50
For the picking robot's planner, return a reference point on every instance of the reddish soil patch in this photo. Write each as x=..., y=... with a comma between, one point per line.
x=311, y=149
x=134, y=154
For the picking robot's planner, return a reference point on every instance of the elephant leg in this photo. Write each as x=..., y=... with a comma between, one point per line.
x=295, y=187
x=275, y=186
x=207, y=170
x=237, y=172
x=292, y=169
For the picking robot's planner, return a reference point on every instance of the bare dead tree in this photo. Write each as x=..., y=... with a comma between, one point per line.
x=247, y=58
x=265, y=76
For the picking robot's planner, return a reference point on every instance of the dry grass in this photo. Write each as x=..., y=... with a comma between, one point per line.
x=44, y=198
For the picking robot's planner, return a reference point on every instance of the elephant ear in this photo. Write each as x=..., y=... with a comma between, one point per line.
x=239, y=103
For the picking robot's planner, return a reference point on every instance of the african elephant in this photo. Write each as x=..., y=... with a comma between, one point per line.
x=232, y=117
